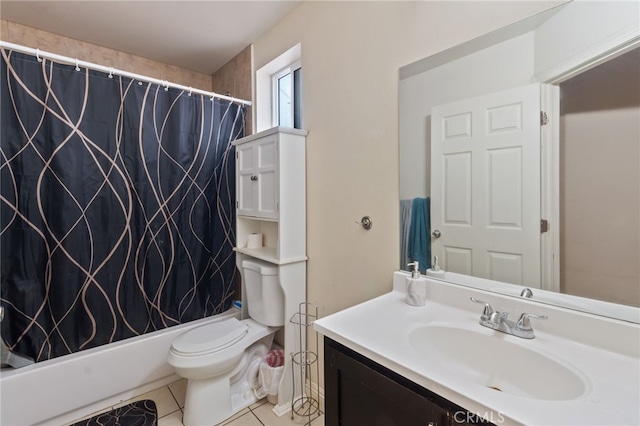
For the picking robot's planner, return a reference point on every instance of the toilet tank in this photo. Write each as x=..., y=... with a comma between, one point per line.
x=264, y=296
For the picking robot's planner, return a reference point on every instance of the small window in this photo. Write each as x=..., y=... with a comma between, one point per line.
x=287, y=97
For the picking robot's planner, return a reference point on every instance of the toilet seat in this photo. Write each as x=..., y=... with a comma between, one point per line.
x=210, y=338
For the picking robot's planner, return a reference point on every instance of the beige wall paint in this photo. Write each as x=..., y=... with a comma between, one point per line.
x=600, y=230
x=351, y=53
x=600, y=182
x=37, y=39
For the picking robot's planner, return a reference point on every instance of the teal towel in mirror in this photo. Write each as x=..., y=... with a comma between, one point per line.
x=419, y=245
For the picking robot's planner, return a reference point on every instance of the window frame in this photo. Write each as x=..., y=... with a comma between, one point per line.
x=275, y=94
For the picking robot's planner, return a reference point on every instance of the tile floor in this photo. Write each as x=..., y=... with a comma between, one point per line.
x=170, y=402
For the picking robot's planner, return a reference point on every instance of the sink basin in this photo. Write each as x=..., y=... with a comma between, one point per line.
x=490, y=359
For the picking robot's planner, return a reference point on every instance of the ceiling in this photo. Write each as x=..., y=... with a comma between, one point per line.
x=198, y=35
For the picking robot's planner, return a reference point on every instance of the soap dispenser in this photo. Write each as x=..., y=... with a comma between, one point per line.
x=435, y=270
x=416, y=287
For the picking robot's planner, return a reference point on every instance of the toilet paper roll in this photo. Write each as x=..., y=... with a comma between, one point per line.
x=254, y=241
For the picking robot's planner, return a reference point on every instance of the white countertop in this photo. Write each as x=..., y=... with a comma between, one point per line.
x=603, y=352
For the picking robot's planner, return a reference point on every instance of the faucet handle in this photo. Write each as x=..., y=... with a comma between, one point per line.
x=488, y=310
x=524, y=323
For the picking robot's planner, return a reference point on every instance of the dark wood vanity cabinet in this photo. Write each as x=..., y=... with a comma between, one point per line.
x=360, y=392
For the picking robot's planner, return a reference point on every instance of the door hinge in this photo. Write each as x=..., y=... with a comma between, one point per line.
x=544, y=226
x=544, y=118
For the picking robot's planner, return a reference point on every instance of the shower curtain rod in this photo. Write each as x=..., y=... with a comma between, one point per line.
x=39, y=54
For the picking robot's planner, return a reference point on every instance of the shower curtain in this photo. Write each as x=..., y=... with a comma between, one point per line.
x=117, y=206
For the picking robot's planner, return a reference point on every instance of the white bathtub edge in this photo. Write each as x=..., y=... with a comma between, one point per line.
x=103, y=405
x=64, y=389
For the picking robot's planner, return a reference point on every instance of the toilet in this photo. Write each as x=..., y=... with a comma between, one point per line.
x=221, y=360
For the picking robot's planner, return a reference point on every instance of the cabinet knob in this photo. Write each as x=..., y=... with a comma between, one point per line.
x=254, y=177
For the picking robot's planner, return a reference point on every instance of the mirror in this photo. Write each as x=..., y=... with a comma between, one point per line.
x=586, y=56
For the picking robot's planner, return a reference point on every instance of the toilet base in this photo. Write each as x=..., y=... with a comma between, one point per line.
x=210, y=401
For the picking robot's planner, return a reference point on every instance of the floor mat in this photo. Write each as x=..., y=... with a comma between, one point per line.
x=139, y=413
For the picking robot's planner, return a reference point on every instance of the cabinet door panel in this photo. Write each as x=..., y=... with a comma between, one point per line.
x=358, y=395
x=267, y=153
x=267, y=178
x=358, y=391
x=246, y=188
x=257, y=178
x=267, y=194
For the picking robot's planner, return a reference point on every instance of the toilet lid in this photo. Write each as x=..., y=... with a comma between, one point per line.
x=207, y=338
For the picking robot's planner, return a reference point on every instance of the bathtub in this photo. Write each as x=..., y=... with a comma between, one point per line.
x=64, y=389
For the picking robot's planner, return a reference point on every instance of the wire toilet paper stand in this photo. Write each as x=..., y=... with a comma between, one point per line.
x=305, y=401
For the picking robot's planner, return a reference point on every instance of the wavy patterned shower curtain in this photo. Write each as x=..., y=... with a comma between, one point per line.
x=117, y=206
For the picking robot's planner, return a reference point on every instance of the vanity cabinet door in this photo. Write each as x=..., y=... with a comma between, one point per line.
x=356, y=395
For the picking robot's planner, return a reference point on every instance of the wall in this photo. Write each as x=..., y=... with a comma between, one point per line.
x=598, y=24
x=600, y=182
x=234, y=79
x=53, y=43
x=351, y=53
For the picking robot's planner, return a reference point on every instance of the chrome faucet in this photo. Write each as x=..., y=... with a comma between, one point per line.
x=500, y=321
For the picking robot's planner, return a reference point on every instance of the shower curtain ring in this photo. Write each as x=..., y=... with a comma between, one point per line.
x=38, y=55
x=110, y=72
x=77, y=67
x=165, y=83
x=190, y=90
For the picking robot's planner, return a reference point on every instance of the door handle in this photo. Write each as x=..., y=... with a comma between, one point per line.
x=436, y=234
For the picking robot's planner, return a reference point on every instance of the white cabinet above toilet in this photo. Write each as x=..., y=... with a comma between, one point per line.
x=270, y=194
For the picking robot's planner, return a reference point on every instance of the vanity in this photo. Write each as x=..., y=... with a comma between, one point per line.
x=555, y=337
x=390, y=363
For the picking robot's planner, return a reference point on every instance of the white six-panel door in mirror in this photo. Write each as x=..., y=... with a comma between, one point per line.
x=485, y=192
